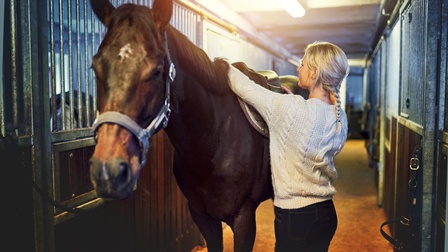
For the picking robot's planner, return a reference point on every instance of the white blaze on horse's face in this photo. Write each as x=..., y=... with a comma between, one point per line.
x=125, y=52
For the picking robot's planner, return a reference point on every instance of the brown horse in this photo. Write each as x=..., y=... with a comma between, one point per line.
x=149, y=77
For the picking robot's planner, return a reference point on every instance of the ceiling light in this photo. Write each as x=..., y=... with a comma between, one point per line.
x=340, y=3
x=292, y=7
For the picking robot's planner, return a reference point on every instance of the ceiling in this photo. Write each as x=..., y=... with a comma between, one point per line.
x=353, y=25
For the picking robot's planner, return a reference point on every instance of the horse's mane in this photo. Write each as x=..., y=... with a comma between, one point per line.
x=210, y=74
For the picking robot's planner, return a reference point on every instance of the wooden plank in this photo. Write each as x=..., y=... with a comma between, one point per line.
x=390, y=169
x=160, y=187
x=407, y=139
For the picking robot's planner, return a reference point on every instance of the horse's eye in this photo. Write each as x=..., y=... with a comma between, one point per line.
x=157, y=73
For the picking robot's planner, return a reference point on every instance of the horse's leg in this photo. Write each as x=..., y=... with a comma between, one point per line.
x=244, y=228
x=210, y=228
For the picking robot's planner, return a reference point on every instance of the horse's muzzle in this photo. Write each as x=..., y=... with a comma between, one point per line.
x=111, y=179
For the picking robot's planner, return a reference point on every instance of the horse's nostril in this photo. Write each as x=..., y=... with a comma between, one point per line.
x=96, y=170
x=125, y=174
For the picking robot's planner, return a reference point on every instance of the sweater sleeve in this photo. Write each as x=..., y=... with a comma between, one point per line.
x=259, y=97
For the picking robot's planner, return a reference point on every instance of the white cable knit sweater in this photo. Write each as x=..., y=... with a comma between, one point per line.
x=304, y=139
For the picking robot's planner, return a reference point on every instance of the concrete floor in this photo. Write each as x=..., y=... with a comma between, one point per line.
x=359, y=217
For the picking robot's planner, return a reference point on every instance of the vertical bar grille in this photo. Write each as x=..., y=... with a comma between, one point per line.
x=15, y=100
x=186, y=22
x=74, y=35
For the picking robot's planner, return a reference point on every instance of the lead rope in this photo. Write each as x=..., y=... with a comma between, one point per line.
x=10, y=143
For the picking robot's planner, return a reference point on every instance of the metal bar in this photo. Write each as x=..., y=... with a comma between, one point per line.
x=62, y=62
x=78, y=60
x=27, y=55
x=411, y=125
x=14, y=63
x=207, y=15
x=33, y=16
x=90, y=205
x=382, y=129
x=53, y=69
x=2, y=102
x=70, y=64
x=429, y=102
x=86, y=65
x=443, y=136
x=92, y=52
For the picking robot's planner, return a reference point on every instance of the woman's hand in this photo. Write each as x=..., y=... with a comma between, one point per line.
x=286, y=89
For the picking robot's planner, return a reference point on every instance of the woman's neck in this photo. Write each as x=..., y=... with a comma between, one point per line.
x=321, y=94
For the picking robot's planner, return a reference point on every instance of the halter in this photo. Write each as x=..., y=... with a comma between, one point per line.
x=125, y=121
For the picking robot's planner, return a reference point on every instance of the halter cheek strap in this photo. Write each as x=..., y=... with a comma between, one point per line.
x=161, y=118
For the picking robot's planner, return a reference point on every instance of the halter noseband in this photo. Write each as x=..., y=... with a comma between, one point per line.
x=125, y=121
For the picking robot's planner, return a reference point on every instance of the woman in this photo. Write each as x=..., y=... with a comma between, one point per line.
x=305, y=136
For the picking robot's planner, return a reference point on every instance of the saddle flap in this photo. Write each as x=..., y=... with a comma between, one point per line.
x=251, y=113
x=271, y=80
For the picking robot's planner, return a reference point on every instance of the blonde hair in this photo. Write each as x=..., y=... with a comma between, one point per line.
x=332, y=67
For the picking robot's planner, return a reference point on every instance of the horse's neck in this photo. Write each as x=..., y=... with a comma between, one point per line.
x=195, y=63
x=193, y=84
x=191, y=102
x=201, y=101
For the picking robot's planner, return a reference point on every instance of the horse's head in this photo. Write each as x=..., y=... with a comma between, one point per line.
x=131, y=68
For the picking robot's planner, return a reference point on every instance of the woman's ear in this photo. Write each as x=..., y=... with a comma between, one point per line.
x=315, y=73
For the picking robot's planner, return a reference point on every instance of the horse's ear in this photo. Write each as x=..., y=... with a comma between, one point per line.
x=102, y=9
x=162, y=11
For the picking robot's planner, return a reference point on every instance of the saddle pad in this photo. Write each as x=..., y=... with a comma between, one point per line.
x=251, y=113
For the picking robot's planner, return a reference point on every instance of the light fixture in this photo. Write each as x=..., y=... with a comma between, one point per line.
x=292, y=7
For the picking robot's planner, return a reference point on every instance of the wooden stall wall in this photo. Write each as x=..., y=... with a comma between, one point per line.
x=409, y=136
x=17, y=218
x=441, y=192
x=155, y=218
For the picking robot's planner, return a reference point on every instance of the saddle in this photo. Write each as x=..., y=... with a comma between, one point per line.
x=269, y=80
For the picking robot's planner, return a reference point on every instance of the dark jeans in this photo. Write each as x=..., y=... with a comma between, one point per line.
x=305, y=229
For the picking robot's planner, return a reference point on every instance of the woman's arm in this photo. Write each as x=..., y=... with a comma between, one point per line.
x=259, y=97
